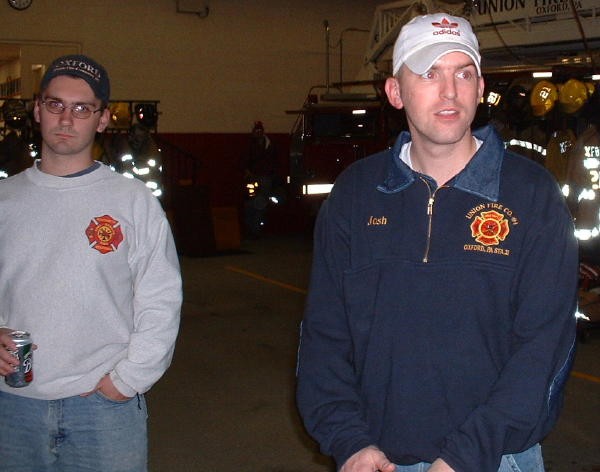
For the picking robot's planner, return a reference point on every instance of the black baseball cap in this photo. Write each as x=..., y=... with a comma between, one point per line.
x=78, y=65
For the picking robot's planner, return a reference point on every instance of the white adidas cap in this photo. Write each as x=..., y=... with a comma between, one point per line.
x=424, y=39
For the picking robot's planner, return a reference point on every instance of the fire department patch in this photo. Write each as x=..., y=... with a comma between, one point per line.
x=104, y=234
x=489, y=228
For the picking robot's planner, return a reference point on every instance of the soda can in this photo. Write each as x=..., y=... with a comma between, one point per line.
x=23, y=374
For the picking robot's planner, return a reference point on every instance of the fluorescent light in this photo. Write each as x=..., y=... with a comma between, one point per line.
x=359, y=112
x=596, y=77
x=540, y=75
x=316, y=189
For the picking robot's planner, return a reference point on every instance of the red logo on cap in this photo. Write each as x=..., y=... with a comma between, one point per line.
x=444, y=24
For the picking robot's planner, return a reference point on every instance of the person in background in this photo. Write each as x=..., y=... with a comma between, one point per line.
x=259, y=173
x=15, y=154
x=87, y=266
x=439, y=328
x=261, y=159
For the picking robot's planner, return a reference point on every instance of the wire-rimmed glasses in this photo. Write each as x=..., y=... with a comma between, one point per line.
x=79, y=110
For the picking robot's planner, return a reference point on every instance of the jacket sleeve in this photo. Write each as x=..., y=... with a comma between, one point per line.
x=156, y=304
x=327, y=390
x=526, y=399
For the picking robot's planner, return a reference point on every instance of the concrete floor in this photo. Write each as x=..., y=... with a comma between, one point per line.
x=227, y=402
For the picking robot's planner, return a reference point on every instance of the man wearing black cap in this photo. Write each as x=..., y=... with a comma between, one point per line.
x=87, y=266
x=439, y=328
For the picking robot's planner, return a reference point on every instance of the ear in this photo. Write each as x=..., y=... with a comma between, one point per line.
x=392, y=90
x=104, y=120
x=36, y=111
x=481, y=87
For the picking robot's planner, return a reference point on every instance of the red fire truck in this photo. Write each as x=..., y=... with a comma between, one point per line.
x=335, y=128
x=331, y=132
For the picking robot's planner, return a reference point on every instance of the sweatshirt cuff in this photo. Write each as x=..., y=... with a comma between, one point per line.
x=342, y=453
x=122, y=386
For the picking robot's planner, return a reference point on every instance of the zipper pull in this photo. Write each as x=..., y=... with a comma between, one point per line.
x=430, y=206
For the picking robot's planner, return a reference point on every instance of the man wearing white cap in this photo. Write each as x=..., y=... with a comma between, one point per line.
x=439, y=327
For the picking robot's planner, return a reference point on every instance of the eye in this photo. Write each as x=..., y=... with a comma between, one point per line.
x=55, y=105
x=464, y=74
x=428, y=75
x=81, y=108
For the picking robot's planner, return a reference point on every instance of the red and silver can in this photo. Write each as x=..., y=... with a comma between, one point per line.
x=23, y=374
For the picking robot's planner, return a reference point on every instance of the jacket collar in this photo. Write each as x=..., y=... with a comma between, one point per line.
x=481, y=176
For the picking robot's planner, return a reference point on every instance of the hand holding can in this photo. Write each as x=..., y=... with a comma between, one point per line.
x=7, y=345
x=20, y=347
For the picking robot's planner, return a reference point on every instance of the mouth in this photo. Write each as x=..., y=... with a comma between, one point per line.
x=63, y=135
x=450, y=112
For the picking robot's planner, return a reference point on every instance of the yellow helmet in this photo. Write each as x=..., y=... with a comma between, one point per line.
x=120, y=115
x=543, y=97
x=572, y=95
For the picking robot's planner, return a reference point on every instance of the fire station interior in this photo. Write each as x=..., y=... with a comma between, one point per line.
x=239, y=124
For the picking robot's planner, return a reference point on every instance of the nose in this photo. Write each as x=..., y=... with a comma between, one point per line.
x=67, y=115
x=448, y=90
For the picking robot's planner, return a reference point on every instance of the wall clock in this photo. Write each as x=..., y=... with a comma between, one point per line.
x=20, y=4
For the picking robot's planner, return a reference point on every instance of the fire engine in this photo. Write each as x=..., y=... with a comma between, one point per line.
x=345, y=121
x=334, y=130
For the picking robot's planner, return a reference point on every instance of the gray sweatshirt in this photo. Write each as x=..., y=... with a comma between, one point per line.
x=89, y=267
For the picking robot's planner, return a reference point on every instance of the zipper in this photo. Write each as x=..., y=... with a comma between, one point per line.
x=430, y=203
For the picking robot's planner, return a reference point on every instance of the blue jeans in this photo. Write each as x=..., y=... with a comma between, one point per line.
x=526, y=461
x=75, y=434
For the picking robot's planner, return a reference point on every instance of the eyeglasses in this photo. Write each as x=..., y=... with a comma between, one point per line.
x=79, y=110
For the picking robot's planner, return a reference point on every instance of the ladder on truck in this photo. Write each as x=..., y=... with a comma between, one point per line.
x=508, y=31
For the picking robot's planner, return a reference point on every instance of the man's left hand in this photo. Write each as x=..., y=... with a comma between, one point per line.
x=108, y=389
x=440, y=466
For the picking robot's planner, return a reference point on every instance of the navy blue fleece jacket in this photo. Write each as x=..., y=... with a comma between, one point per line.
x=440, y=321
